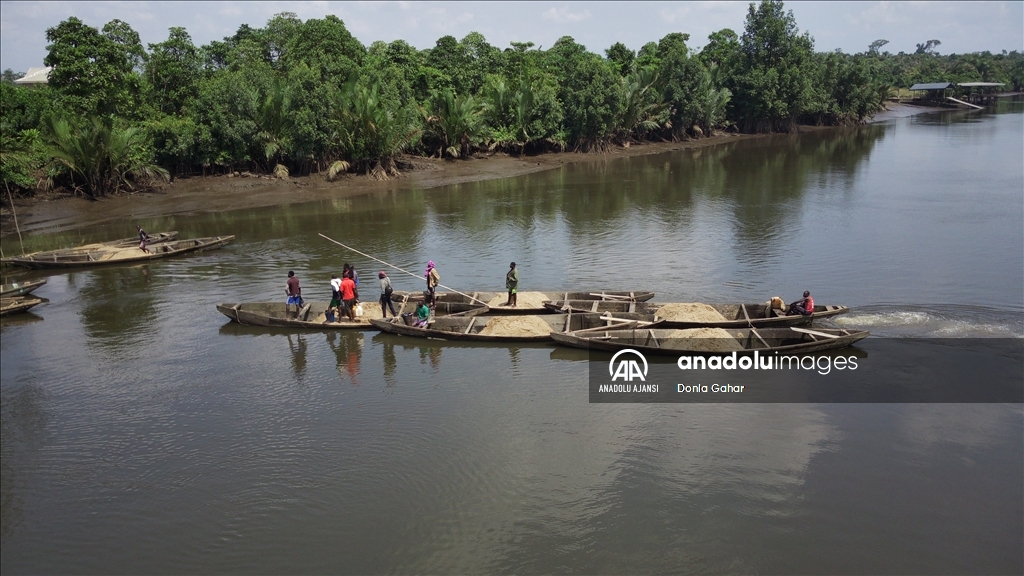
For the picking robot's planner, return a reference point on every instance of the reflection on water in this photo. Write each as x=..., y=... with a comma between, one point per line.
x=347, y=351
x=143, y=431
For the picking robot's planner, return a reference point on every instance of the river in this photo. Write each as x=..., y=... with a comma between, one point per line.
x=142, y=432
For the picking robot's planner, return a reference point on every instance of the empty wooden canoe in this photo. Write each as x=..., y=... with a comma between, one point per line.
x=311, y=315
x=20, y=288
x=19, y=304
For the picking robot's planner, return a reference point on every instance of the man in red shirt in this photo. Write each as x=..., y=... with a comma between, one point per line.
x=294, y=293
x=349, y=296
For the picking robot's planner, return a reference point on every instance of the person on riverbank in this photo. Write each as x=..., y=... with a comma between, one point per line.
x=433, y=279
x=803, y=306
x=349, y=295
x=143, y=239
x=385, y=295
x=294, y=292
x=512, y=284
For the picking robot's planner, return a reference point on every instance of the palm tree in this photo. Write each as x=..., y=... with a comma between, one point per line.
x=271, y=113
x=643, y=104
x=370, y=133
x=711, y=101
x=457, y=121
x=100, y=159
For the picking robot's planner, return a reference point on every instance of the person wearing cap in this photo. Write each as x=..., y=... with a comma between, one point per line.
x=512, y=284
x=433, y=279
x=385, y=295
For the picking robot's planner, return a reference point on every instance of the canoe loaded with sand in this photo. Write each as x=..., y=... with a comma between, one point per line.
x=532, y=302
x=709, y=341
x=518, y=328
x=696, y=314
x=76, y=257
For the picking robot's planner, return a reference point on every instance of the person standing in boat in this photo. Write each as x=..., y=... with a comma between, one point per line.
x=385, y=295
x=143, y=238
x=352, y=273
x=512, y=284
x=349, y=295
x=335, y=305
x=804, y=306
x=294, y=292
x=433, y=279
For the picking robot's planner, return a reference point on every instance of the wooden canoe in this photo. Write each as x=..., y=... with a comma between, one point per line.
x=497, y=299
x=311, y=315
x=471, y=328
x=157, y=238
x=19, y=304
x=75, y=258
x=20, y=288
x=736, y=315
x=746, y=341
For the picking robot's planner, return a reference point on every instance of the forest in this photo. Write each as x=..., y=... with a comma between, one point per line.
x=299, y=97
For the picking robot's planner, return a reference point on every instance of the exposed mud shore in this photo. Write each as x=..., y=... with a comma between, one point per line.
x=55, y=213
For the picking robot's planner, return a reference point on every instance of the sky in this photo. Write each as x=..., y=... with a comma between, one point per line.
x=849, y=26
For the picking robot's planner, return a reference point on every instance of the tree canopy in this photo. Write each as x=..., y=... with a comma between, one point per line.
x=306, y=96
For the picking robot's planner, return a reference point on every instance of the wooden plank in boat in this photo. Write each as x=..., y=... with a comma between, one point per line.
x=813, y=332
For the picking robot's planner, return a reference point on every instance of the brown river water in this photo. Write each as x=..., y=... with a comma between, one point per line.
x=142, y=432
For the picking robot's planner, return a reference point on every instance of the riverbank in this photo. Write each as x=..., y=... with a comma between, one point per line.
x=55, y=213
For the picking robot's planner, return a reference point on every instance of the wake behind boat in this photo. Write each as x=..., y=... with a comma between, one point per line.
x=79, y=257
x=696, y=315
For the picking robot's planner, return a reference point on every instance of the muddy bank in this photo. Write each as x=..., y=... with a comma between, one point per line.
x=221, y=193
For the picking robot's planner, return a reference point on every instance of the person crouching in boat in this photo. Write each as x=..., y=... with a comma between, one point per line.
x=422, y=315
x=143, y=238
x=803, y=307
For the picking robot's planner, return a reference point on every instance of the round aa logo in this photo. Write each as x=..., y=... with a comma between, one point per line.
x=627, y=367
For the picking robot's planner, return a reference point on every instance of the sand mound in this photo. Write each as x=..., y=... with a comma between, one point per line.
x=701, y=339
x=523, y=300
x=690, y=312
x=516, y=326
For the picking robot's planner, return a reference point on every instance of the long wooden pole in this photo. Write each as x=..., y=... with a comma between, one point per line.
x=399, y=269
x=15, y=213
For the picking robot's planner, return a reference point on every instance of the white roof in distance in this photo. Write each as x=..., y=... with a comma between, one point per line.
x=38, y=75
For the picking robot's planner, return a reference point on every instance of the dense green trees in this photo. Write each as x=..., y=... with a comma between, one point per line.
x=304, y=96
